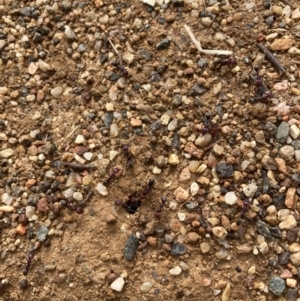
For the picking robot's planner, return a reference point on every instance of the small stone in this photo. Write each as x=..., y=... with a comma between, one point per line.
x=181, y=195
x=101, y=189
x=286, y=274
x=118, y=284
x=80, y=139
x=290, y=282
x=289, y=223
x=203, y=140
x=131, y=246
x=219, y=232
x=7, y=208
x=163, y=44
x=21, y=229
x=294, y=131
x=206, y=21
x=287, y=152
x=135, y=122
x=294, y=90
x=224, y=171
x=146, y=287
x=282, y=132
x=204, y=247
x=29, y=211
x=296, y=14
x=42, y=205
x=194, y=188
x=43, y=66
x=6, y=153
x=57, y=92
x=226, y=293
x=281, y=44
x=41, y=233
x=281, y=165
x=290, y=198
x=277, y=10
x=206, y=282
x=193, y=237
x=114, y=130
x=23, y=284
x=218, y=149
x=173, y=159
x=177, y=249
x=230, y=198
x=113, y=93
x=110, y=219
x=175, y=271
x=185, y=175
x=277, y=286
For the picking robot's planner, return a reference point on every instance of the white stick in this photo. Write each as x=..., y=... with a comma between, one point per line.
x=207, y=51
x=113, y=46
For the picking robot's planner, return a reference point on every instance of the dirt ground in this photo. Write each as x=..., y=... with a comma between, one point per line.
x=62, y=100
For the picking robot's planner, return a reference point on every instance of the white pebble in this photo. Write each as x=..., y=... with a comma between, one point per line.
x=118, y=284
x=173, y=205
x=68, y=193
x=77, y=196
x=88, y=156
x=194, y=188
x=176, y=270
x=79, y=139
x=230, y=198
x=102, y=189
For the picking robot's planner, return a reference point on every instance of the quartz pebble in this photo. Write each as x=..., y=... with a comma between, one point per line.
x=175, y=271
x=118, y=284
x=230, y=198
x=146, y=287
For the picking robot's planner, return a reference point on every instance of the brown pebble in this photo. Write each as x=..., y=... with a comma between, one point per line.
x=292, y=234
x=111, y=277
x=42, y=205
x=21, y=229
x=193, y=237
x=56, y=208
x=170, y=18
x=206, y=282
x=110, y=219
x=152, y=241
x=30, y=182
x=167, y=247
x=290, y=197
x=7, y=208
x=195, y=224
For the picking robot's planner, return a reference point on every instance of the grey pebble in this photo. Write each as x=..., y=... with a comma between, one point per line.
x=25, y=11
x=191, y=205
x=282, y=132
x=224, y=170
x=41, y=233
x=147, y=55
x=163, y=44
x=107, y=119
x=175, y=141
x=275, y=231
x=291, y=294
x=277, y=286
x=155, y=126
x=81, y=48
x=263, y=229
x=271, y=127
x=130, y=247
x=177, y=249
x=284, y=257
x=197, y=90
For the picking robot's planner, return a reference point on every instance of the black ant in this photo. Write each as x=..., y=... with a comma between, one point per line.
x=128, y=155
x=28, y=263
x=114, y=172
x=160, y=209
x=209, y=127
x=225, y=62
x=119, y=65
x=134, y=200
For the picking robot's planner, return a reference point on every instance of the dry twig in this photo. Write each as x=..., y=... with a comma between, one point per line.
x=207, y=51
x=271, y=58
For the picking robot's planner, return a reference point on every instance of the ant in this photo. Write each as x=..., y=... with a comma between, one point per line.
x=28, y=263
x=114, y=172
x=160, y=209
x=209, y=127
x=225, y=62
x=134, y=200
x=264, y=94
x=119, y=65
x=128, y=155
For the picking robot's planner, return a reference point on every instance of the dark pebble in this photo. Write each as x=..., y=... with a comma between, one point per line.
x=23, y=284
x=25, y=11
x=147, y=55
x=292, y=235
x=296, y=178
x=275, y=231
x=163, y=44
x=177, y=249
x=81, y=48
x=279, y=200
x=175, y=141
x=263, y=229
x=224, y=171
x=271, y=128
x=177, y=100
x=277, y=286
x=155, y=126
x=197, y=90
x=284, y=258
x=37, y=37
x=272, y=262
x=107, y=119
x=131, y=246
x=103, y=57
x=154, y=76
x=165, y=280
x=291, y=294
